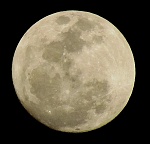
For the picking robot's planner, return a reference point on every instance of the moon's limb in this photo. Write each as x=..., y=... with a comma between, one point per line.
x=73, y=71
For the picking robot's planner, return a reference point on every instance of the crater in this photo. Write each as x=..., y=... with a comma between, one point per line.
x=61, y=20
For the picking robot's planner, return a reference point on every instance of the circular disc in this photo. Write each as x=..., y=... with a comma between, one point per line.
x=73, y=71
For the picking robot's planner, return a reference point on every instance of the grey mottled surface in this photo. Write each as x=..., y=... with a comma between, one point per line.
x=73, y=71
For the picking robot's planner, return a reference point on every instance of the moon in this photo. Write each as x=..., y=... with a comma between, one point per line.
x=73, y=71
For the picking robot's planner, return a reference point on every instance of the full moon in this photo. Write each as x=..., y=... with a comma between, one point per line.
x=73, y=71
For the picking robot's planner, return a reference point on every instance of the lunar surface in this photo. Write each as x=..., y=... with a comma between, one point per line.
x=73, y=71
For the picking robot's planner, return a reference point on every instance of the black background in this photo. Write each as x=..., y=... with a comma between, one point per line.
x=18, y=126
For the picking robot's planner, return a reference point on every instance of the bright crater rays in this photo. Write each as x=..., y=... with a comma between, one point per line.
x=73, y=71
